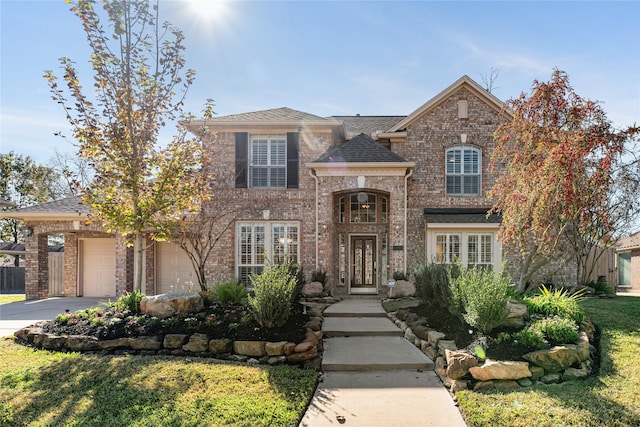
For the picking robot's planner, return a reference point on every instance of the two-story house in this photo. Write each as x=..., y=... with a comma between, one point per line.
x=359, y=197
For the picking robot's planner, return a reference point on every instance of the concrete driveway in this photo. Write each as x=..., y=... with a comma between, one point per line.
x=16, y=315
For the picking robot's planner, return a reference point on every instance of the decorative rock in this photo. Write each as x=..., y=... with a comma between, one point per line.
x=458, y=363
x=588, y=327
x=173, y=341
x=313, y=289
x=302, y=356
x=441, y=368
x=536, y=372
x=145, y=343
x=524, y=382
x=165, y=305
x=506, y=384
x=555, y=359
x=314, y=325
x=457, y=385
x=250, y=348
x=551, y=378
x=403, y=289
x=114, y=344
x=303, y=346
x=237, y=358
x=289, y=348
x=198, y=343
x=517, y=312
x=82, y=343
x=394, y=304
x=500, y=370
x=53, y=342
x=277, y=360
x=434, y=337
x=571, y=374
x=582, y=346
x=421, y=332
x=311, y=337
x=253, y=361
x=275, y=348
x=446, y=345
x=221, y=346
x=403, y=325
x=431, y=352
x=410, y=336
x=481, y=385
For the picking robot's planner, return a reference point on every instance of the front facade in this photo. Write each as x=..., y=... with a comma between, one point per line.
x=359, y=197
x=628, y=263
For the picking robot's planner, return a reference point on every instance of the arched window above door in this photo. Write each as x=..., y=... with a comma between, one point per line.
x=363, y=207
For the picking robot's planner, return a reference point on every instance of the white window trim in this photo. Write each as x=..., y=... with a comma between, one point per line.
x=268, y=166
x=464, y=230
x=462, y=173
x=268, y=240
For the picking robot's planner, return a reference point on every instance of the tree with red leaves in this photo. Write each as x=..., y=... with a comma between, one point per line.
x=560, y=154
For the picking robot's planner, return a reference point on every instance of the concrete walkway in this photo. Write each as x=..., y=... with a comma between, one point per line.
x=17, y=315
x=373, y=376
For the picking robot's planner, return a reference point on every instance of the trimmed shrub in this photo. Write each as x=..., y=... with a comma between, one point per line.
x=432, y=284
x=274, y=291
x=480, y=297
x=559, y=302
x=556, y=329
x=531, y=338
x=231, y=293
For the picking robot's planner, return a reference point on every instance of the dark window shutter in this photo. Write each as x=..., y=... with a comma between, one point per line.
x=242, y=159
x=292, y=159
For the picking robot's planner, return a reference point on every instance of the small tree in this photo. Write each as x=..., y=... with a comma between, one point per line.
x=559, y=150
x=139, y=85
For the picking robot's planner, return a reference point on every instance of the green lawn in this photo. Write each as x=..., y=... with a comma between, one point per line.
x=611, y=399
x=11, y=298
x=39, y=388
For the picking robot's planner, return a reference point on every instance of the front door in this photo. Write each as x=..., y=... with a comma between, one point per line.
x=363, y=265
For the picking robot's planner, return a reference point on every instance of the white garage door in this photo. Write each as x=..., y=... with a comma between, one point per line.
x=174, y=270
x=98, y=267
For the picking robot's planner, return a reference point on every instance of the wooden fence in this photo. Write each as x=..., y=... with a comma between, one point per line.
x=12, y=280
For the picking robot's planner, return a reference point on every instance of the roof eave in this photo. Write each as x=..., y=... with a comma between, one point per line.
x=45, y=216
x=359, y=165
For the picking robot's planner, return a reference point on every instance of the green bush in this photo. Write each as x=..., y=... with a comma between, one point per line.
x=399, y=275
x=600, y=288
x=432, y=284
x=531, y=338
x=480, y=297
x=319, y=276
x=274, y=291
x=559, y=302
x=129, y=301
x=231, y=293
x=556, y=329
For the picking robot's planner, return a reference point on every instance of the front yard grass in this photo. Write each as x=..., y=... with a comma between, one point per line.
x=611, y=399
x=40, y=388
x=11, y=298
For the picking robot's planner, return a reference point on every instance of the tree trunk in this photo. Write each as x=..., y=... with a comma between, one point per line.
x=139, y=264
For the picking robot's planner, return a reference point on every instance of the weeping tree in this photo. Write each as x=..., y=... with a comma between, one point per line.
x=139, y=85
x=559, y=155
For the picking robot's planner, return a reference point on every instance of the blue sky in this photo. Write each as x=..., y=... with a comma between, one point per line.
x=335, y=58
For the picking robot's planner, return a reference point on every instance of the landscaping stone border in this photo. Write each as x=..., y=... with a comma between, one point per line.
x=461, y=369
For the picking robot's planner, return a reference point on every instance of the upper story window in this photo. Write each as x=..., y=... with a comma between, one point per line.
x=464, y=169
x=364, y=207
x=268, y=161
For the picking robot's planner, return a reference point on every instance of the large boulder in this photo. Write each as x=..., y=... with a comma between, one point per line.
x=459, y=363
x=517, y=313
x=500, y=370
x=313, y=289
x=555, y=359
x=403, y=289
x=165, y=305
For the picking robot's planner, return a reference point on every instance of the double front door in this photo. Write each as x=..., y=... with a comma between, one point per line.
x=363, y=264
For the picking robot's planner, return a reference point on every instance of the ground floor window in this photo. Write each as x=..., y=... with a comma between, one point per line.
x=259, y=242
x=467, y=247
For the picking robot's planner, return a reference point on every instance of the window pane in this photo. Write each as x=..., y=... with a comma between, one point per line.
x=454, y=184
x=472, y=247
x=259, y=176
x=471, y=184
x=454, y=248
x=278, y=178
x=278, y=153
x=441, y=248
x=268, y=162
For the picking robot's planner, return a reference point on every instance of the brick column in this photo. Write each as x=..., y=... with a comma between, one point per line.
x=71, y=264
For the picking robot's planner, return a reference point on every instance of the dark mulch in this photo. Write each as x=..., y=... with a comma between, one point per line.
x=216, y=321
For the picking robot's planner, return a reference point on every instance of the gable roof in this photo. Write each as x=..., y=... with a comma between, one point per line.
x=465, y=81
x=283, y=114
x=371, y=125
x=361, y=149
x=70, y=207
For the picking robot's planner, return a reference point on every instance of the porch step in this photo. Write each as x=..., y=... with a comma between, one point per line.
x=356, y=308
x=359, y=326
x=381, y=353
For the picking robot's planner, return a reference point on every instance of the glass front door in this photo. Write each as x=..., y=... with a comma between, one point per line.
x=363, y=264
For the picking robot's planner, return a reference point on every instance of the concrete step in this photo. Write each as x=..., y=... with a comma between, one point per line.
x=372, y=354
x=359, y=326
x=355, y=308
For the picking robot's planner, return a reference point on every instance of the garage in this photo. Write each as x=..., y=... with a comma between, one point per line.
x=174, y=270
x=98, y=267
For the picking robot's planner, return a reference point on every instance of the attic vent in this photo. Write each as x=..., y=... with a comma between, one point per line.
x=463, y=112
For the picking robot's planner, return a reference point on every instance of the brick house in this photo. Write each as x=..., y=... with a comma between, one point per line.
x=628, y=263
x=359, y=197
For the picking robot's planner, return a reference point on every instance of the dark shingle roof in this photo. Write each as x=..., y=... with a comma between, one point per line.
x=62, y=206
x=460, y=215
x=361, y=149
x=274, y=114
x=367, y=124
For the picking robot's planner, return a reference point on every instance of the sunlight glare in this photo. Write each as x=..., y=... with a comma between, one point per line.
x=208, y=12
